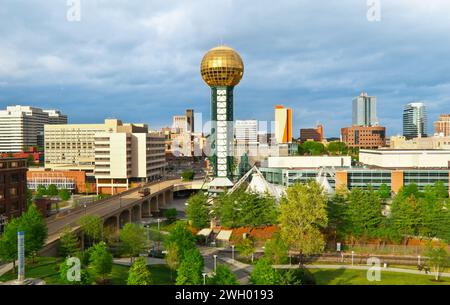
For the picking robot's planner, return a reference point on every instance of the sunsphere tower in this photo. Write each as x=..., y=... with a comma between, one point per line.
x=222, y=69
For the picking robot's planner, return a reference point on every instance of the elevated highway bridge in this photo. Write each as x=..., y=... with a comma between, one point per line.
x=116, y=211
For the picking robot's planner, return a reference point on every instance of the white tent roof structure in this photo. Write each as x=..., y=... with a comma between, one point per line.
x=322, y=179
x=260, y=185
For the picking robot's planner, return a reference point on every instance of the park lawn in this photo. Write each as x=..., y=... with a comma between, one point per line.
x=165, y=225
x=359, y=277
x=160, y=275
x=46, y=268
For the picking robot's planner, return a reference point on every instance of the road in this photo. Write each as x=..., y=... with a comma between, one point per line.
x=102, y=209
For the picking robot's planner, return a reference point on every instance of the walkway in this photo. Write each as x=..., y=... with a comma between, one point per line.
x=388, y=269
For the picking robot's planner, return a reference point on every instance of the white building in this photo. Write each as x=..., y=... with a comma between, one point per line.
x=411, y=158
x=56, y=117
x=309, y=161
x=180, y=123
x=116, y=153
x=122, y=156
x=23, y=126
x=246, y=131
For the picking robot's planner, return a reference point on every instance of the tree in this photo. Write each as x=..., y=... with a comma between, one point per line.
x=35, y=228
x=68, y=243
x=438, y=258
x=337, y=209
x=41, y=191
x=8, y=242
x=139, y=273
x=92, y=227
x=312, y=148
x=100, y=260
x=190, y=270
x=223, y=276
x=29, y=198
x=64, y=269
x=171, y=215
x=264, y=274
x=363, y=213
x=182, y=238
x=303, y=217
x=242, y=208
x=52, y=190
x=187, y=175
x=384, y=191
x=64, y=194
x=337, y=148
x=246, y=247
x=133, y=239
x=172, y=257
x=197, y=210
x=276, y=250
x=405, y=215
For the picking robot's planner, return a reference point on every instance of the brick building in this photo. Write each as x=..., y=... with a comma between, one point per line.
x=311, y=134
x=364, y=136
x=13, y=188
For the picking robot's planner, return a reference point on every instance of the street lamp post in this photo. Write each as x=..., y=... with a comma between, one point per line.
x=232, y=252
x=204, y=278
x=159, y=221
x=85, y=207
x=353, y=254
x=215, y=262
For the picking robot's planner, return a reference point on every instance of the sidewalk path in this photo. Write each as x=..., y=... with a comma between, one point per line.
x=410, y=271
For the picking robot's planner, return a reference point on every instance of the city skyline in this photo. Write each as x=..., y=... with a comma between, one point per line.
x=151, y=62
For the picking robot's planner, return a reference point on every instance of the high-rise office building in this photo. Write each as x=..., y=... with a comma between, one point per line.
x=364, y=110
x=442, y=126
x=283, y=124
x=222, y=69
x=246, y=131
x=190, y=120
x=23, y=126
x=414, y=120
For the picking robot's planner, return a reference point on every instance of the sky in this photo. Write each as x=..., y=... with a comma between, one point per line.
x=139, y=60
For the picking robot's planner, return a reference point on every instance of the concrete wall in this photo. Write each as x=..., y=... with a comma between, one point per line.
x=405, y=158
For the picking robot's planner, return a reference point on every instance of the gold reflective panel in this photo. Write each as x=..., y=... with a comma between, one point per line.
x=222, y=66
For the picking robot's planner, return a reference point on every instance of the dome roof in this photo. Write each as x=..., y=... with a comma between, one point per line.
x=222, y=66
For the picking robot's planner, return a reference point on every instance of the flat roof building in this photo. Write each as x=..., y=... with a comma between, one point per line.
x=364, y=136
x=23, y=126
x=442, y=125
x=406, y=158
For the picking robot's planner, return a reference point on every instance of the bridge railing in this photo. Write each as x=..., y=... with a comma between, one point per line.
x=80, y=209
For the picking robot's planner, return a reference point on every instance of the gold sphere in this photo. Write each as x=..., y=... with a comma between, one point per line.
x=222, y=66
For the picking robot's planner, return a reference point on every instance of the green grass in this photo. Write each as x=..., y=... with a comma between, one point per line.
x=165, y=226
x=359, y=277
x=46, y=268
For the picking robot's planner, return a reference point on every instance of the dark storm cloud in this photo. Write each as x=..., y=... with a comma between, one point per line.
x=139, y=60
